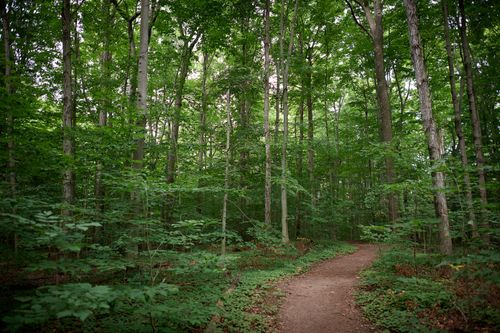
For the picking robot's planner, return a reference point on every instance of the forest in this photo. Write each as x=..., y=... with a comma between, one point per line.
x=167, y=164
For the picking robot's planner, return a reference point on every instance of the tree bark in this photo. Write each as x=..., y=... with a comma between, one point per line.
x=279, y=67
x=429, y=125
x=130, y=85
x=187, y=52
x=458, y=121
x=142, y=86
x=310, y=129
x=267, y=134
x=105, y=102
x=203, y=124
x=300, y=166
x=226, y=171
x=476, y=123
x=11, y=163
x=284, y=206
x=68, y=112
x=376, y=34
x=300, y=153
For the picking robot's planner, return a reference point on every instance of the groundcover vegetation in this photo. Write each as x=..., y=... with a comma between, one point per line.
x=413, y=289
x=157, y=290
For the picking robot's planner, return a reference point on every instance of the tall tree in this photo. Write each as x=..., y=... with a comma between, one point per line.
x=267, y=133
x=105, y=101
x=190, y=39
x=226, y=170
x=11, y=163
x=130, y=84
x=284, y=204
x=142, y=86
x=375, y=32
x=430, y=128
x=458, y=119
x=476, y=122
x=68, y=112
x=310, y=121
x=202, y=153
x=279, y=67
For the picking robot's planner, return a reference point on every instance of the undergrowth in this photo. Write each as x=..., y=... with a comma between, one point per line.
x=170, y=291
x=406, y=291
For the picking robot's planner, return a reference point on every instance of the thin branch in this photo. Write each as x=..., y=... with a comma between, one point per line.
x=123, y=13
x=193, y=43
x=356, y=19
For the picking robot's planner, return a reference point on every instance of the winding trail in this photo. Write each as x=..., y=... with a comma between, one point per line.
x=321, y=300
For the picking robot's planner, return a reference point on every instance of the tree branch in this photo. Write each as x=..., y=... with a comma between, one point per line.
x=123, y=13
x=356, y=19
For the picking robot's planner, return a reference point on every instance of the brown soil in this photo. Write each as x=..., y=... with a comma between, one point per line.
x=321, y=301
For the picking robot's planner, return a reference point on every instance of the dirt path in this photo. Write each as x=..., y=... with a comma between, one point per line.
x=321, y=300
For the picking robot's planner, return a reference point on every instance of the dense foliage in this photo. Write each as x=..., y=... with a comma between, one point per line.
x=409, y=291
x=134, y=161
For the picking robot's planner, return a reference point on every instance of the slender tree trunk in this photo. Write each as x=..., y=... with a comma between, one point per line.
x=279, y=67
x=300, y=153
x=310, y=130
x=68, y=112
x=430, y=129
x=187, y=51
x=284, y=204
x=384, y=103
x=130, y=82
x=267, y=134
x=11, y=163
x=476, y=124
x=142, y=86
x=203, y=125
x=458, y=121
x=226, y=171
x=105, y=103
x=376, y=33
x=132, y=63
x=300, y=165
x=174, y=136
x=244, y=108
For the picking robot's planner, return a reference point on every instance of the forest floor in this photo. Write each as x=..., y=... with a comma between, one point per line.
x=322, y=300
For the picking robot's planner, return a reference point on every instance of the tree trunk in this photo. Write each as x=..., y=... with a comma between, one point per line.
x=300, y=164
x=310, y=130
x=476, y=124
x=203, y=125
x=142, y=86
x=68, y=112
x=458, y=121
x=284, y=206
x=279, y=67
x=383, y=103
x=187, y=51
x=226, y=171
x=244, y=108
x=267, y=134
x=376, y=34
x=105, y=103
x=429, y=125
x=300, y=153
x=11, y=163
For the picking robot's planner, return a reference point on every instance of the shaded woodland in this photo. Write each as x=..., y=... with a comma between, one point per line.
x=162, y=160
